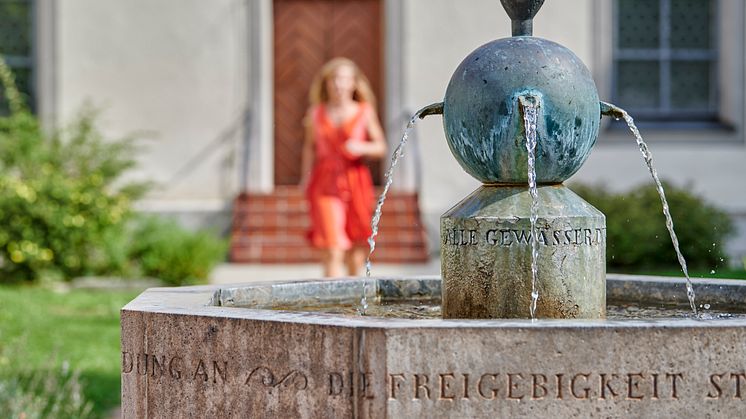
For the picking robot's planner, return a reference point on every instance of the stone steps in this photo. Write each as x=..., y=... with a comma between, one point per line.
x=271, y=228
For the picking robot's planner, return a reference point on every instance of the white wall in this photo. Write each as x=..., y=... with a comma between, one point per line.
x=174, y=68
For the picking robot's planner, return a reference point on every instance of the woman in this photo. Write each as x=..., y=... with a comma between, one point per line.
x=342, y=129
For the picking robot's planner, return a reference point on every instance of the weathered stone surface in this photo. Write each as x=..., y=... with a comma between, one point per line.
x=486, y=255
x=236, y=363
x=720, y=294
x=182, y=357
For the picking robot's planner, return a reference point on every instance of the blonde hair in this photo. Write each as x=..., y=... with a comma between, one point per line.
x=318, y=93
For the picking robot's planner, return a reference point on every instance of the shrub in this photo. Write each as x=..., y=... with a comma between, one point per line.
x=177, y=256
x=46, y=393
x=61, y=195
x=637, y=237
x=68, y=212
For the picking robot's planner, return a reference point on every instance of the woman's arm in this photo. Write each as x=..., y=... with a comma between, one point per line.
x=308, y=153
x=376, y=147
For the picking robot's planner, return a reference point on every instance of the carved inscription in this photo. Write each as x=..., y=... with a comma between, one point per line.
x=727, y=385
x=444, y=387
x=522, y=237
x=267, y=378
x=521, y=386
x=178, y=368
x=155, y=366
x=340, y=384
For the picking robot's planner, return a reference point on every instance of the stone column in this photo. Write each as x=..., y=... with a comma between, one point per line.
x=486, y=255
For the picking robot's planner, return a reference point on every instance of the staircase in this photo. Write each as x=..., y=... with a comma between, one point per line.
x=271, y=228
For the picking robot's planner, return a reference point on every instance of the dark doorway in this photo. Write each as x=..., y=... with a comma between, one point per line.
x=307, y=33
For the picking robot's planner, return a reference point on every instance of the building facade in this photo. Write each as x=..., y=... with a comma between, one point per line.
x=204, y=81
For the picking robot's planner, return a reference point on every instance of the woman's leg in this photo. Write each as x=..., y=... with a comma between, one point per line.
x=329, y=230
x=355, y=259
x=332, y=260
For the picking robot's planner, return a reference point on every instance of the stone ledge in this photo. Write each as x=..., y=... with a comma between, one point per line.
x=184, y=357
x=234, y=300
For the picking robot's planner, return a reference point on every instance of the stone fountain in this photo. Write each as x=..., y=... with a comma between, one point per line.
x=287, y=350
x=486, y=250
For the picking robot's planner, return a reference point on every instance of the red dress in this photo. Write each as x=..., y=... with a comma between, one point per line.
x=340, y=189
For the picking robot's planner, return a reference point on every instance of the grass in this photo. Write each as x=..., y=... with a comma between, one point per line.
x=78, y=327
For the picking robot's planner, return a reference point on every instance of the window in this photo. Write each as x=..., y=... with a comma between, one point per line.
x=16, y=46
x=665, y=59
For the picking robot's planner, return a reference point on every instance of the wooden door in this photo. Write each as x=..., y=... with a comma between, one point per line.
x=308, y=33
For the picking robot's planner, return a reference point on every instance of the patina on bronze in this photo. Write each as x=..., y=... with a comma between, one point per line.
x=487, y=274
x=483, y=122
x=522, y=14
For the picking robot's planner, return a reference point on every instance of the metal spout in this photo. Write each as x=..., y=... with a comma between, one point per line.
x=528, y=100
x=608, y=109
x=521, y=14
x=434, y=109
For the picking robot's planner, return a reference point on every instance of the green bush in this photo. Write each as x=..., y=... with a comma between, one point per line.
x=61, y=195
x=67, y=211
x=164, y=250
x=637, y=238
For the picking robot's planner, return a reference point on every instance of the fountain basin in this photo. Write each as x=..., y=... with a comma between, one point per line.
x=200, y=352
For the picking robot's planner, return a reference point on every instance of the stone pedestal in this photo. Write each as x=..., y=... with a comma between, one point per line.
x=486, y=255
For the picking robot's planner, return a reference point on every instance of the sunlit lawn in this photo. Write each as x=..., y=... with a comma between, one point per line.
x=80, y=327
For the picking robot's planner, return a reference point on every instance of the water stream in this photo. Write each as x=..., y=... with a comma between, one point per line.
x=530, y=117
x=389, y=178
x=529, y=121
x=648, y=157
